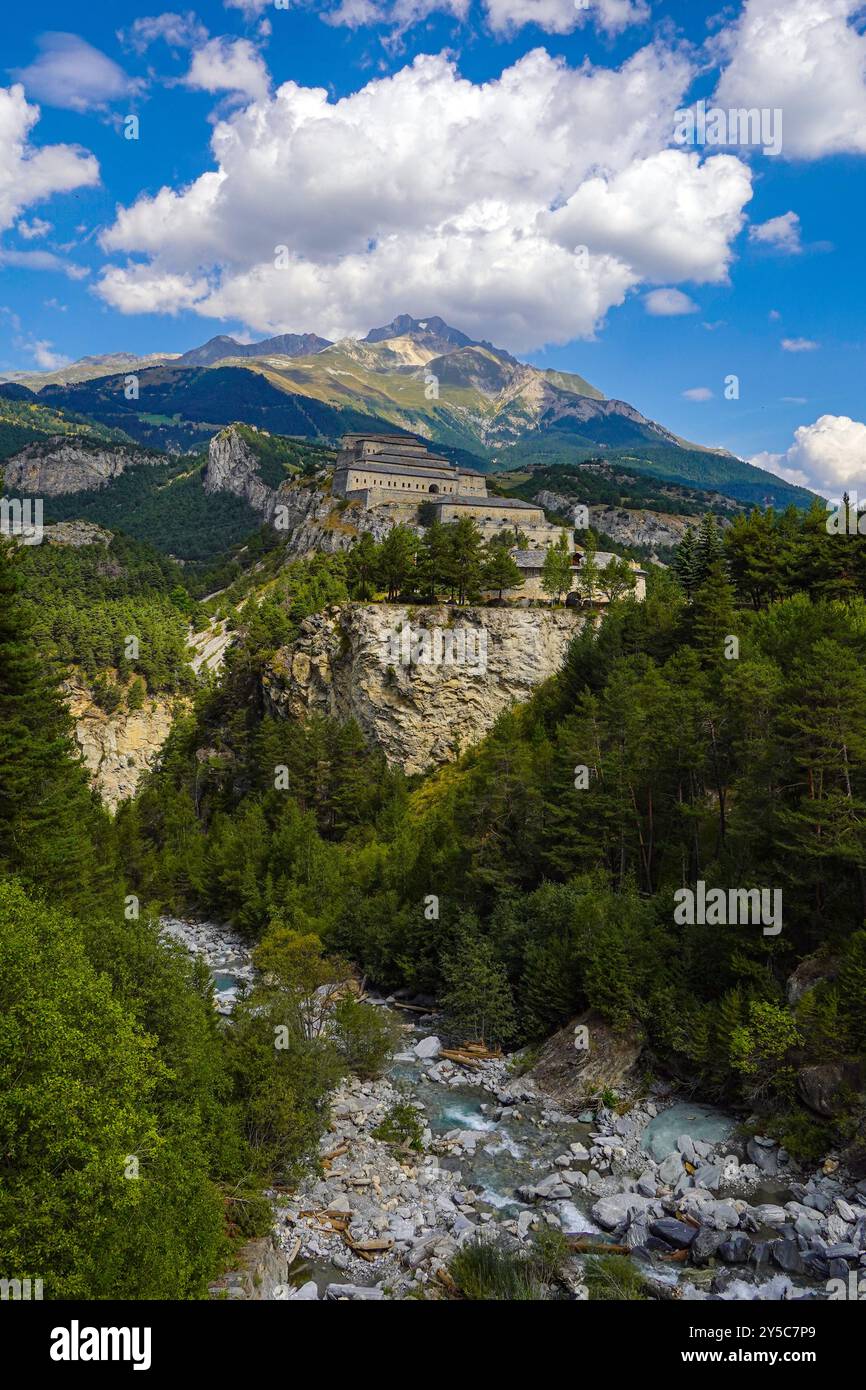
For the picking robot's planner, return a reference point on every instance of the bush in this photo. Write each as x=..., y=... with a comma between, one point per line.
x=401, y=1125
x=366, y=1036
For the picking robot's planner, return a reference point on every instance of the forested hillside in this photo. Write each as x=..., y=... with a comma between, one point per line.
x=740, y=771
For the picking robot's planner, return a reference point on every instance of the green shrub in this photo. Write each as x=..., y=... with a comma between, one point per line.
x=366, y=1036
x=401, y=1125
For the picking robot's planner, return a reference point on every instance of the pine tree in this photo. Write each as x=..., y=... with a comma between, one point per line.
x=710, y=547
x=499, y=571
x=52, y=831
x=556, y=573
x=685, y=564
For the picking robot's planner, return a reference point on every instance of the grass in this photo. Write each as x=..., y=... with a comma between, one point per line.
x=494, y=1271
x=614, y=1278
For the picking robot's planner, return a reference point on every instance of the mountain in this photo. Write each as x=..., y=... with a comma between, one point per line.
x=432, y=332
x=221, y=347
x=89, y=368
x=417, y=375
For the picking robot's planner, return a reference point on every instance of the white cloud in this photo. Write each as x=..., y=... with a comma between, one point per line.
x=72, y=74
x=29, y=175
x=780, y=233
x=398, y=15
x=228, y=65
x=799, y=345
x=668, y=303
x=828, y=456
x=564, y=16
x=504, y=17
x=249, y=7
x=669, y=216
x=424, y=184
x=46, y=359
x=177, y=30
x=36, y=227
x=698, y=393
x=43, y=260
x=806, y=58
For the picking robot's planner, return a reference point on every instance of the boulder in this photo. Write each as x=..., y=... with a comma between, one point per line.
x=428, y=1048
x=571, y=1076
x=822, y=1086
x=677, y=1233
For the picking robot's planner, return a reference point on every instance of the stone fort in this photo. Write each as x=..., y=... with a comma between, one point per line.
x=398, y=469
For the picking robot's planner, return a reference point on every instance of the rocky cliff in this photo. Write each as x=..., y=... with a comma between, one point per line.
x=233, y=466
x=62, y=464
x=117, y=748
x=427, y=711
x=304, y=512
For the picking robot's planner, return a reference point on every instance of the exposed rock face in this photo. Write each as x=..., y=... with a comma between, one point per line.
x=61, y=465
x=117, y=748
x=306, y=513
x=418, y=714
x=232, y=466
x=76, y=534
x=627, y=525
x=584, y=1058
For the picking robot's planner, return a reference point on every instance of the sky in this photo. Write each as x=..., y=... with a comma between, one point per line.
x=569, y=179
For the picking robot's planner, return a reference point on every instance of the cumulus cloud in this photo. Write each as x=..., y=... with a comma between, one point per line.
x=29, y=175
x=668, y=303
x=828, y=456
x=669, y=216
x=177, y=30
x=228, y=65
x=72, y=74
x=426, y=184
x=799, y=345
x=806, y=58
x=780, y=233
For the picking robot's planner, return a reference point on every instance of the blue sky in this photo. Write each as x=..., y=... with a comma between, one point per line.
x=509, y=164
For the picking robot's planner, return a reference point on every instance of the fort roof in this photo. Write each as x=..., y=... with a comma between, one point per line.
x=405, y=440
x=403, y=470
x=528, y=559
x=466, y=499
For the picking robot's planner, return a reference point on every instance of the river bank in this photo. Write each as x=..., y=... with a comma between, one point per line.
x=703, y=1210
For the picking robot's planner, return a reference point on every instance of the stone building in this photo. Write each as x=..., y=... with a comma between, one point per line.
x=399, y=470
x=395, y=468
x=531, y=566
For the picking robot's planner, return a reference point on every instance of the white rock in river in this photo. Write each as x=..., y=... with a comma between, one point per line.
x=428, y=1047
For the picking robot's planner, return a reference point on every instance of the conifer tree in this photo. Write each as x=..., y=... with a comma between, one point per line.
x=53, y=834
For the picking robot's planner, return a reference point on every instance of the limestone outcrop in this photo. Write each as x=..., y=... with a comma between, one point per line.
x=232, y=466
x=63, y=465
x=117, y=748
x=425, y=712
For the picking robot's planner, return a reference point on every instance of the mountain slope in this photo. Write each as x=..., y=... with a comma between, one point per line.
x=416, y=375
